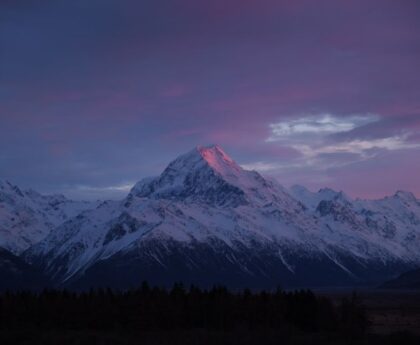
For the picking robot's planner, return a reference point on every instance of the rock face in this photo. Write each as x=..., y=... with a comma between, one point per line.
x=205, y=220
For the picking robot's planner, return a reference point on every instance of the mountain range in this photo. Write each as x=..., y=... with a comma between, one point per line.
x=205, y=220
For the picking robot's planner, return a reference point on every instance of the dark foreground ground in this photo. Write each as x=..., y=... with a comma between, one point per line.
x=192, y=316
x=388, y=311
x=195, y=337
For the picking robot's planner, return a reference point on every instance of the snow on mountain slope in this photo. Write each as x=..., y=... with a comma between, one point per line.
x=26, y=217
x=203, y=198
x=208, y=175
x=392, y=222
x=396, y=218
x=311, y=200
x=201, y=195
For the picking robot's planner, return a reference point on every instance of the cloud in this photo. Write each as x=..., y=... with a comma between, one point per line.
x=363, y=148
x=318, y=125
x=327, y=141
x=260, y=166
x=93, y=193
x=123, y=187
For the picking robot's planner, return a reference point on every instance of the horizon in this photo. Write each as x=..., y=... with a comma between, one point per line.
x=94, y=96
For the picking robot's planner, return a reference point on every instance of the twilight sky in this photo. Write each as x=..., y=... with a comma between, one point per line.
x=95, y=95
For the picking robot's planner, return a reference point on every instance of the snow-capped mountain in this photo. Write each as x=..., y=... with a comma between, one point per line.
x=209, y=176
x=393, y=222
x=26, y=216
x=206, y=220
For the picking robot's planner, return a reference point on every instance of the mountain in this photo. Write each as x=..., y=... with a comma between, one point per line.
x=205, y=220
x=393, y=222
x=409, y=280
x=26, y=216
x=17, y=274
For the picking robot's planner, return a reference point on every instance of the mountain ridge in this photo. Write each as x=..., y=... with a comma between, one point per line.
x=205, y=213
x=27, y=216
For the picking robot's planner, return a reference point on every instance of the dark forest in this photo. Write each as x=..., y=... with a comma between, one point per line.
x=152, y=315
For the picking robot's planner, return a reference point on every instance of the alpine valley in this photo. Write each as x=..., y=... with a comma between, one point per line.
x=204, y=221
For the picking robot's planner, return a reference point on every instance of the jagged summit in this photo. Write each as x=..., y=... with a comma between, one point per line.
x=209, y=175
x=205, y=173
x=312, y=199
x=7, y=187
x=27, y=216
x=403, y=195
x=331, y=194
x=4, y=183
x=201, y=157
x=218, y=159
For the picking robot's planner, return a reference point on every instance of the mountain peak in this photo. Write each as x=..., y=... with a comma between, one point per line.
x=204, y=157
x=5, y=184
x=218, y=159
x=213, y=152
x=328, y=191
x=7, y=187
x=403, y=195
x=208, y=174
x=205, y=173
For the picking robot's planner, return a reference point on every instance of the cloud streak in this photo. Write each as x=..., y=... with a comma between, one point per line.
x=325, y=142
x=363, y=148
x=318, y=125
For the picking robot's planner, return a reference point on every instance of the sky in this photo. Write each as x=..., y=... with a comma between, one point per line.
x=95, y=95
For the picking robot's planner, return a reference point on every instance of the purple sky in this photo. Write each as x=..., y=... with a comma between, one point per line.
x=95, y=95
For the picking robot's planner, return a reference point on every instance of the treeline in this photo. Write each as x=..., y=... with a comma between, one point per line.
x=157, y=309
